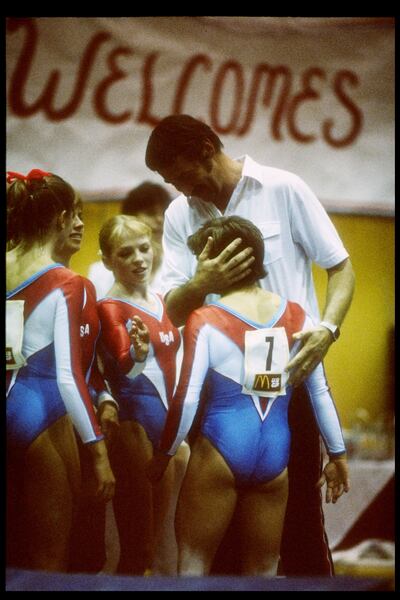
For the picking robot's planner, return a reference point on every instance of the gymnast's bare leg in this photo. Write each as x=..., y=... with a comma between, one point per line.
x=205, y=507
x=51, y=482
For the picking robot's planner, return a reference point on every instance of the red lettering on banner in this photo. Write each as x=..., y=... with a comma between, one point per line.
x=185, y=78
x=233, y=67
x=20, y=77
x=147, y=98
x=271, y=75
x=103, y=87
x=327, y=126
x=227, y=85
x=308, y=94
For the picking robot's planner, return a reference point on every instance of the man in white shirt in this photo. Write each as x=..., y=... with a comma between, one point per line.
x=297, y=232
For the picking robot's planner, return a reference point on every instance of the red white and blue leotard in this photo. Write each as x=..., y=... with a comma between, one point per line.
x=250, y=432
x=60, y=331
x=142, y=397
x=89, y=333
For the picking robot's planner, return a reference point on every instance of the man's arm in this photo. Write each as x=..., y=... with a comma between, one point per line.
x=339, y=294
x=212, y=276
x=181, y=301
x=317, y=341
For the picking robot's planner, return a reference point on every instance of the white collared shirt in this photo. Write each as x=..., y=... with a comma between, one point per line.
x=296, y=229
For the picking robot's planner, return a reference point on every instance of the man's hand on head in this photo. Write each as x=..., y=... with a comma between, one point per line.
x=214, y=275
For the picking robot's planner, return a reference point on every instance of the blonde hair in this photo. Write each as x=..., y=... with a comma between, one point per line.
x=113, y=229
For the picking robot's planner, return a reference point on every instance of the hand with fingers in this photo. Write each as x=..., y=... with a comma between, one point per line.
x=103, y=472
x=214, y=275
x=140, y=338
x=315, y=345
x=107, y=415
x=336, y=477
x=105, y=479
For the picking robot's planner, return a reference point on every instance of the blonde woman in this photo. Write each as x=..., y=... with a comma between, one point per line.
x=143, y=396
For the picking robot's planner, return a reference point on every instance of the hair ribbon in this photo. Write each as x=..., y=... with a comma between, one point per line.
x=33, y=174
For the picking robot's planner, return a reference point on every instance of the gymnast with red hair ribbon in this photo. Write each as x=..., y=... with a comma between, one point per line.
x=47, y=391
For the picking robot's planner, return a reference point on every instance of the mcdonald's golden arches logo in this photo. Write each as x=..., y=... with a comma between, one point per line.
x=267, y=383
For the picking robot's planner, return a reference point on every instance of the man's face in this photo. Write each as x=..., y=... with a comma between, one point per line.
x=193, y=178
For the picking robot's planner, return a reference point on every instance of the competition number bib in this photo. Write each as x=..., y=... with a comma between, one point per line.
x=14, y=334
x=266, y=354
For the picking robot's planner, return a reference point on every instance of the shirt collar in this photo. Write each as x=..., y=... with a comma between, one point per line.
x=250, y=168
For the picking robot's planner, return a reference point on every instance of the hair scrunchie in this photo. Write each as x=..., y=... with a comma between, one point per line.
x=33, y=174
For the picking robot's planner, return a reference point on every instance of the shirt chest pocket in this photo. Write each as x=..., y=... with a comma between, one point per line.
x=271, y=232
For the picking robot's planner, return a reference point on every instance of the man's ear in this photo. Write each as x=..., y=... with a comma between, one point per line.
x=208, y=149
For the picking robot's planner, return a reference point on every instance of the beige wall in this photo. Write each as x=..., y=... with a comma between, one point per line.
x=359, y=364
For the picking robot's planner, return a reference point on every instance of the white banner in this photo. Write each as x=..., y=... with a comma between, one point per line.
x=83, y=95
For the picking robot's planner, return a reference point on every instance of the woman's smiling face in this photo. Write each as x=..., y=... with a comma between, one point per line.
x=131, y=258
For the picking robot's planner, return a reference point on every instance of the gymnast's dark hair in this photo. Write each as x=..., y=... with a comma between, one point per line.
x=147, y=197
x=33, y=204
x=178, y=135
x=223, y=231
